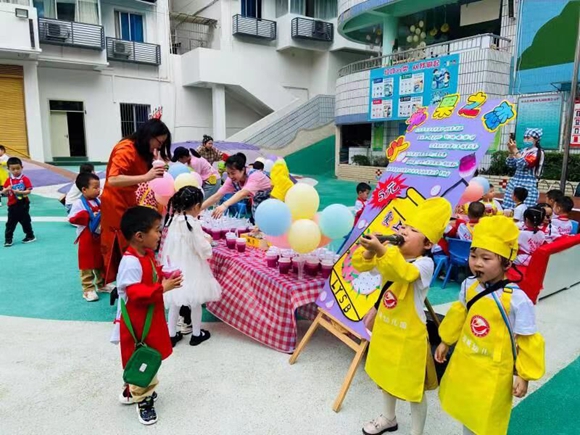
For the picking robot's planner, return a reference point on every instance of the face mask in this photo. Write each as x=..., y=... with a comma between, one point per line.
x=529, y=143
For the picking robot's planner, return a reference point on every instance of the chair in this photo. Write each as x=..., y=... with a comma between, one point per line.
x=441, y=261
x=574, y=227
x=458, y=256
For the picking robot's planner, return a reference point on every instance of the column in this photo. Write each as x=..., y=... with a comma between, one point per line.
x=33, y=113
x=390, y=30
x=218, y=100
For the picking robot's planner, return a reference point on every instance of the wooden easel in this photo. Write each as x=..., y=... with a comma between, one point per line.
x=341, y=332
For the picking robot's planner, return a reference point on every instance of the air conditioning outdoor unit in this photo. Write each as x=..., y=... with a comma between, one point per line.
x=321, y=29
x=56, y=31
x=121, y=49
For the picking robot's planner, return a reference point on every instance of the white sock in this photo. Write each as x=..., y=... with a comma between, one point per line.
x=418, y=416
x=172, y=319
x=390, y=405
x=196, y=313
x=467, y=431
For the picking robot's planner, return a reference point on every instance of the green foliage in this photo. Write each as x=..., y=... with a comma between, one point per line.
x=361, y=160
x=552, y=166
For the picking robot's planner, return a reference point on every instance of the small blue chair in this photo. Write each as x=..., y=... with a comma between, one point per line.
x=574, y=227
x=458, y=256
x=441, y=261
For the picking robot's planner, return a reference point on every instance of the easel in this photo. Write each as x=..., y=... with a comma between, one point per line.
x=341, y=332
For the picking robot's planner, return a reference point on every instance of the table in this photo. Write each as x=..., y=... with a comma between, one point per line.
x=258, y=301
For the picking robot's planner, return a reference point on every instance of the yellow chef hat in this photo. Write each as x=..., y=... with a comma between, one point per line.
x=498, y=234
x=281, y=181
x=431, y=217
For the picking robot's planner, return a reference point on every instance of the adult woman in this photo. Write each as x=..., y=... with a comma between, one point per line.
x=256, y=185
x=528, y=164
x=129, y=165
x=209, y=175
x=208, y=151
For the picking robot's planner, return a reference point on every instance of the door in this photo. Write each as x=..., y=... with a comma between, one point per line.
x=59, y=137
x=76, y=134
x=13, y=132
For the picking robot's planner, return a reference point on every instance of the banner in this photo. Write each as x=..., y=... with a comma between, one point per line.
x=397, y=91
x=540, y=111
x=437, y=157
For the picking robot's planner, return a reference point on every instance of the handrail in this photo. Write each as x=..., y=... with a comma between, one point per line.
x=435, y=50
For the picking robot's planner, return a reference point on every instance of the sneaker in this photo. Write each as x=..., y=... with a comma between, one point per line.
x=91, y=296
x=198, y=339
x=125, y=397
x=184, y=328
x=29, y=239
x=380, y=425
x=146, y=411
x=7, y=244
x=176, y=339
x=107, y=288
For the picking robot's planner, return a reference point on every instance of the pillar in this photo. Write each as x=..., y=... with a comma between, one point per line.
x=390, y=33
x=218, y=100
x=33, y=114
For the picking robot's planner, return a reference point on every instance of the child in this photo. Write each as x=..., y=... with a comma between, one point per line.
x=561, y=225
x=519, y=196
x=17, y=187
x=489, y=323
x=531, y=236
x=464, y=230
x=399, y=359
x=3, y=168
x=552, y=196
x=187, y=247
x=140, y=285
x=86, y=215
x=492, y=205
x=74, y=193
x=546, y=226
x=208, y=174
x=362, y=191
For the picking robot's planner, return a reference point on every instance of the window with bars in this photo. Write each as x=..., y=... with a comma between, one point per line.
x=132, y=116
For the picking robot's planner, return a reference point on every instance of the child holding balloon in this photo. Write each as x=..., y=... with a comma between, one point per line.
x=209, y=175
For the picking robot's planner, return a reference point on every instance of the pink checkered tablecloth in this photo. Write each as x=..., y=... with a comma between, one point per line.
x=258, y=301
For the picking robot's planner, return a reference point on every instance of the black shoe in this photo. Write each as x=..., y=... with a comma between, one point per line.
x=146, y=411
x=113, y=296
x=29, y=239
x=198, y=339
x=176, y=339
x=8, y=244
x=185, y=312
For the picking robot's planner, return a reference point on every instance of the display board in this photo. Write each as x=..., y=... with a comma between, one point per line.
x=540, y=111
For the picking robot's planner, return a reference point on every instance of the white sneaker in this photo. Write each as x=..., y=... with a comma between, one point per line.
x=184, y=328
x=91, y=296
x=108, y=288
x=380, y=425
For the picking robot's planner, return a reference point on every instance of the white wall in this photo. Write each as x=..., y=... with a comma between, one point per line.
x=15, y=32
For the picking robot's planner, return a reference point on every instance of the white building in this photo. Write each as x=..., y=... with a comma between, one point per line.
x=77, y=75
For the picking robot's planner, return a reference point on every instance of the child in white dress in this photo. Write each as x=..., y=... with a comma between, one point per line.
x=188, y=248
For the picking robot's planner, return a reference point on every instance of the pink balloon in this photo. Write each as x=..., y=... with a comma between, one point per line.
x=473, y=192
x=163, y=186
x=198, y=178
x=279, y=241
x=163, y=200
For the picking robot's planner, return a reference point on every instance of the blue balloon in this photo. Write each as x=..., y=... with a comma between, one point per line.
x=336, y=221
x=483, y=182
x=273, y=217
x=177, y=169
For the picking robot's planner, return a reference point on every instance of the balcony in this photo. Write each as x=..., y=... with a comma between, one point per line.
x=315, y=30
x=254, y=27
x=71, y=34
x=133, y=52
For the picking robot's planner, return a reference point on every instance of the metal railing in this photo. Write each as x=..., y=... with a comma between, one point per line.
x=17, y=2
x=479, y=42
x=83, y=35
x=254, y=27
x=134, y=52
x=307, y=28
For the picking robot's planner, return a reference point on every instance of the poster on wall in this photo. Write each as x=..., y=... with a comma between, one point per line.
x=396, y=92
x=575, y=138
x=437, y=156
x=540, y=111
x=378, y=136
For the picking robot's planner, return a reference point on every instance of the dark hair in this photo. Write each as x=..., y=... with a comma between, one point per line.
x=476, y=210
x=206, y=139
x=236, y=161
x=490, y=186
x=539, y=160
x=83, y=180
x=179, y=152
x=362, y=187
x=194, y=153
x=554, y=194
x=258, y=165
x=535, y=215
x=521, y=193
x=565, y=203
x=86, y=167
x=138, y=219
x=3, y=148
x=147, y=131
x=13, y=161
x=183, y=200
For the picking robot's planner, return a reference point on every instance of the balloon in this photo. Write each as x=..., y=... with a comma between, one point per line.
x=197, y=179
x=163, y=186
x=178, y=168
x=163, y=200
x=483, y=182
x=304, y=236
x=273, y=217
x=261, y=159
x=279, y=242
x=183, y=180
x=268, y=165
x=323, y=240
x=303, y=201
x=336, y=221
x=473, y=192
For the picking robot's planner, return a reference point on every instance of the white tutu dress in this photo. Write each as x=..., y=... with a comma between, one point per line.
x=189, y=251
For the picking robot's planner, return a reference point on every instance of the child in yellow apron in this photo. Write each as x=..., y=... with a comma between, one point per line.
x=399, y=359
x=498, y=347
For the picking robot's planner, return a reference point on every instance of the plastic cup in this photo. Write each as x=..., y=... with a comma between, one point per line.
x=296, y=263
x=224, y=231
x=170, y=272
x=158, y=164
x=311, y=266
x=326, y=268
x=241, y=244
x=231, y=240
x=271, y=259
x=284, y=265
x=216, y=234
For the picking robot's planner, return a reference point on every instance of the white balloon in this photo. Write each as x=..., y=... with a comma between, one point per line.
x=423, y=35
x=417, y=31
x=416, y=38
x=409, y=38
x=268, y=165
x=421, y=23
x=412, y=28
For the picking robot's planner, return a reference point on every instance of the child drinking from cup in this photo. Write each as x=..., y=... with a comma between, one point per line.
x=187, y=247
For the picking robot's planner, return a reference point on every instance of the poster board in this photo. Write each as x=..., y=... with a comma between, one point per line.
x=575, y=137
x=540, y=111
x=437, y=157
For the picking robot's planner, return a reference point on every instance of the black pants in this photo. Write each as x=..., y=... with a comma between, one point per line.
x=18, y=213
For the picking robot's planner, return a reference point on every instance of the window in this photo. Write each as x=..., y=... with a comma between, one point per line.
x=281, y=8
x=129, y=27
x=319, y=9
x=81, y=11
x=252, y=8
x=132, y=116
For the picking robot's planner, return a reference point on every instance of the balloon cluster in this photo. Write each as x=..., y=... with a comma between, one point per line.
x=477, y=187
x=294, y=223
x=178, y=176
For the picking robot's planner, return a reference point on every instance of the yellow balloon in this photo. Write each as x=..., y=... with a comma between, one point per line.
x=303, y=201
x=183, y=180
x=304, y=236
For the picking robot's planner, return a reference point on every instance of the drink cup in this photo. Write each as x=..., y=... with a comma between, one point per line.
x=241, y=244
x=216, y=233
x=231, y=240
x=158, y=164
x=297, y=262
x=326, y=266
x=170, y=272
x=284, y=265
x=311, y=266
x=224, y=231
x=271, y=259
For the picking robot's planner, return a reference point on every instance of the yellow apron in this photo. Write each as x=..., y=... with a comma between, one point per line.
x=396, y=361
x=477, y=386
x=3, y=174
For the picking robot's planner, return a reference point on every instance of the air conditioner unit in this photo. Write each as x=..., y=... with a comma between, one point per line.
x=321, y=30
x=56, y=31
x=121, y=49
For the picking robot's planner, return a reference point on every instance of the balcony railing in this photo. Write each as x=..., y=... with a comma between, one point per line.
x=306, y=28
x=70, y=33
x=17, y=2
x=134, y=52
x=479, y=42
x=254, y=27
